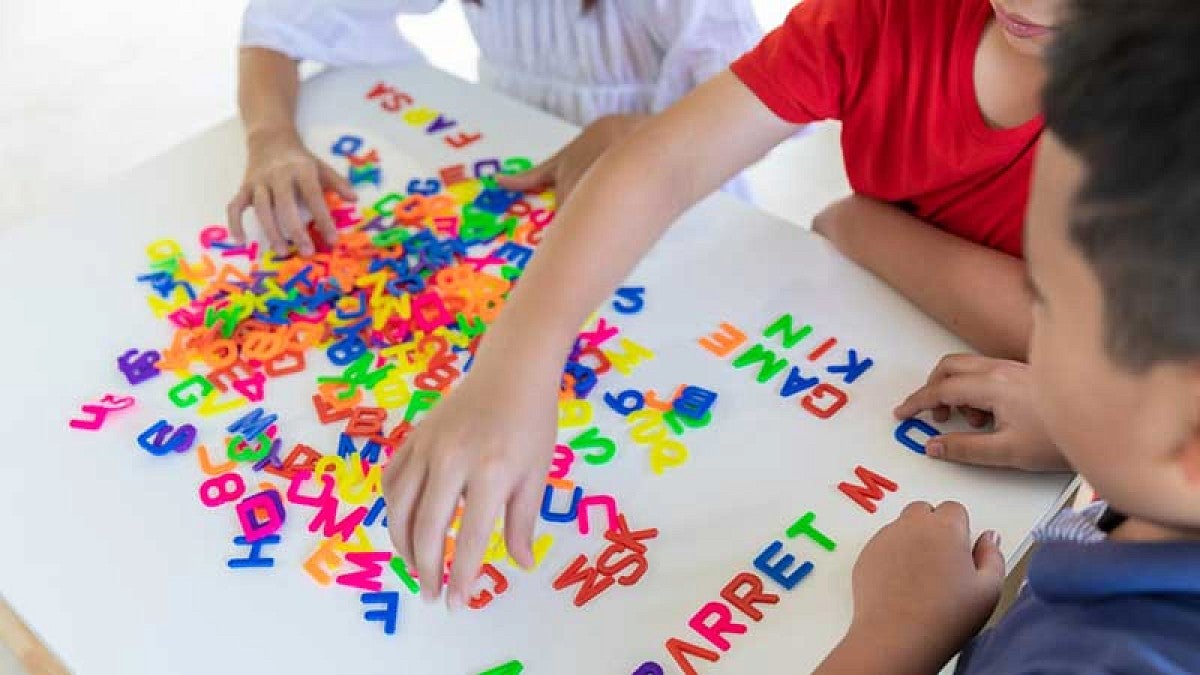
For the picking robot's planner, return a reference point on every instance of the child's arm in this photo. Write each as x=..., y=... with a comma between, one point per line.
x=978, y=293
x=493, y=436
x=280, y=172
x=921, y=592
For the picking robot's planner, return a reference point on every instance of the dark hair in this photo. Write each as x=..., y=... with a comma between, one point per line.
x=1124, y=95
x=587, y=4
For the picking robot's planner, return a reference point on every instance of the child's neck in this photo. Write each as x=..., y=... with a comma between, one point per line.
x=1008, y=83
x=1136, y=529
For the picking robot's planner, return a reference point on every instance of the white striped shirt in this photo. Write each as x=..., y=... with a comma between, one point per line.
x=624, y=56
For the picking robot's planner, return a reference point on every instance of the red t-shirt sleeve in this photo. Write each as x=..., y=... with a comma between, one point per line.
x=808, y=68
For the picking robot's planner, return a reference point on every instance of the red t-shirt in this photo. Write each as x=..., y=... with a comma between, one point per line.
x=899, y=74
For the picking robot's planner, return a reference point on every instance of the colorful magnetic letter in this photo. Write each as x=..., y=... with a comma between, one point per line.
x=255, y=558
x=390, y=612
x=154, y=439
x=904, y=431
x=564, y=516
x=138, y=368
x=630, y=299
x=510, y=668
x=258, y=527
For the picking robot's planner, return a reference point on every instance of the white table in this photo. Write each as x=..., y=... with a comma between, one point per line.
x=111, y=557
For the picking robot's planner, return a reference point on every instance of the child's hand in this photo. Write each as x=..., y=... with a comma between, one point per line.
x=987, y=391
x=921, y=591
x=489, y=442
x=567, y=166
x=278, y=170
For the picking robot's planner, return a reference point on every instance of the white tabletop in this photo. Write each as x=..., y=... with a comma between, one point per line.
x=111, y=557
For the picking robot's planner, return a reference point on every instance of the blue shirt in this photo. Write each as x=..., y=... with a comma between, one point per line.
x=1099, y=607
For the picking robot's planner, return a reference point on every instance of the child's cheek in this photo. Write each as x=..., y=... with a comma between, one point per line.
x=1053, y=382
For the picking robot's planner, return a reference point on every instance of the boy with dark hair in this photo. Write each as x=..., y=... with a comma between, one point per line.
x=1113, y=245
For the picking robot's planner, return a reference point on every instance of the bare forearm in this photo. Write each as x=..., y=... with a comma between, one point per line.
x=593, y=245
x=978, y=293
x=620, y=209
x=267, y=85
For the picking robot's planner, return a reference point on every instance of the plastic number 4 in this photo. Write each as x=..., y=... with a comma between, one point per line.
x=109, y=403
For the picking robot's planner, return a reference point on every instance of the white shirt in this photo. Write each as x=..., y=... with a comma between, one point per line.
x=624, y=56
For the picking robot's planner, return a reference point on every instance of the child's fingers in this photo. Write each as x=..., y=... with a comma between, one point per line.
x=266, y=219
x=233, y=213
x=404, y=488
x=335, y=181
x=283, y=191
x=519, y=519
x=977, y=448
x=956, y=514
x=973, y=390
x=989, y=559
x=564, y=186
x=535, y=179
x=485, y=494
x=919, y=401
x=911, y=405
x=310, y=190
x=978, y=419
x=914, y=509
x=434, y=514
x=959, y=364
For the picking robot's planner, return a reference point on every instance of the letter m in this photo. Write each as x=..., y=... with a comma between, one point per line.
x=252, y=423
x=870, y=491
